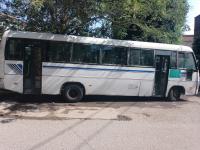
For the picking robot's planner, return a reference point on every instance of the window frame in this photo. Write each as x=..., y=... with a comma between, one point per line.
x=48, y=42
x=7, y=47
x=185, y=52
x=141, y=49
x=84, y=63
x=171, y=51
x=46, y=45
x=153, y=65
x=24, y=40
x=176, y=59
x=126, y=49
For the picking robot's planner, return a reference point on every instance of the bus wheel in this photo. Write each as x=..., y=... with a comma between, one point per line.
x=73, y=93
x=174, y=94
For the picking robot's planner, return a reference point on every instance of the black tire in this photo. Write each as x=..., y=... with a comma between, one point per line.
x=73, y=93
x=174, y=94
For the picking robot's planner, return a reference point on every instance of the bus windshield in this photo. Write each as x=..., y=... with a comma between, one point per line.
x=187, y=61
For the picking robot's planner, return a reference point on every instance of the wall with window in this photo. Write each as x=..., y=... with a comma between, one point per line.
x=186, y=61
x=14, y=49
x=64, y=52
x=141, y=57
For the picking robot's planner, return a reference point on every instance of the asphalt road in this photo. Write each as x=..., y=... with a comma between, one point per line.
x=99, y=123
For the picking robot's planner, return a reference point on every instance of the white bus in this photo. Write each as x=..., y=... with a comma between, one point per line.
x=73, y=66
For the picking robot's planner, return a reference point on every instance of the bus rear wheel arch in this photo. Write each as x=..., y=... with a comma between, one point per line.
x=175, y=93
x=73, y=92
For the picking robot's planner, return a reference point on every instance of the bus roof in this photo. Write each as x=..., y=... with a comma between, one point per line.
x=92, y=40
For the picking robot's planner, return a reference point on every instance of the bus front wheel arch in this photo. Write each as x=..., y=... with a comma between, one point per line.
x=175, y=93
x=73, y=92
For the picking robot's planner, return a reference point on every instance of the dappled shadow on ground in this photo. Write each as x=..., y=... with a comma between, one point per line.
x=12, y=97
x=31, y=103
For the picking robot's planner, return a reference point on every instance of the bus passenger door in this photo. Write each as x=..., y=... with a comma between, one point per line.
x=161, y=75
x=32, y=67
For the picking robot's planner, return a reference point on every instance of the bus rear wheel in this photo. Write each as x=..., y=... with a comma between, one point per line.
x=73, y=93
x=174, y=94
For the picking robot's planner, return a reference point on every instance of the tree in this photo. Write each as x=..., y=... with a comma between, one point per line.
x=8, y=21
x=147, y=20
x=55, y=16
x=142, y=20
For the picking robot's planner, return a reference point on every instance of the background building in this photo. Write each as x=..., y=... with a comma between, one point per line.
x=196, y=43
x=188, y=40
x=197, y=27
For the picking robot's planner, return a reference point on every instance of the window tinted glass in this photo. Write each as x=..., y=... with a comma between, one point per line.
x=181, y=60
x=186, y=61
x=141, y=57
x=58, y=52
x=173, y=62
x=147, y=58
x=83, y=53
x=14, y=49
x=190, y=62
x=32, y=56
x=134, y=57
x=114, y=55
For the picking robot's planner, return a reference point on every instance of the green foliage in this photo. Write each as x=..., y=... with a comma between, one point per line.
x=147, y=20
x=142, y=20
x=63, y=16
x=7, y=21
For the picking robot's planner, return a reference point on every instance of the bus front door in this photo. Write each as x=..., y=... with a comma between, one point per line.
x=32, y=68
x=161, y=75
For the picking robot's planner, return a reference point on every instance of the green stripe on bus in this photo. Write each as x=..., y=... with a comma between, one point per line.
x=174, y=73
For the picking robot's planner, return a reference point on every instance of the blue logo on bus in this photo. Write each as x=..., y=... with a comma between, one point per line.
x=17, y=68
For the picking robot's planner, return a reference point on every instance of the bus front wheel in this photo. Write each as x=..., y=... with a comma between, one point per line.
x=73, y=93
x=174, y=94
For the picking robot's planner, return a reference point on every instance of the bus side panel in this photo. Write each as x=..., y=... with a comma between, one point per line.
x=13, y=79
x=93, y=86
x=190, y=86
x=98, y=80
x=146, y=87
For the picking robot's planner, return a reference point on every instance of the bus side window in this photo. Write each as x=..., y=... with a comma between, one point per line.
x=121, y=55
x=147, y=58
x=86, y=53
x=58, y=52
x=114, y=55
x=181, y=60
x=134, y=58
x=173, y=63
x=140, y=57
x=14, y=49
x=186, y=61
x=190, y=62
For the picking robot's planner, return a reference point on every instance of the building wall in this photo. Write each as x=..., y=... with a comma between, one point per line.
x=196, y=43
x=187, y=40
x=197, y=27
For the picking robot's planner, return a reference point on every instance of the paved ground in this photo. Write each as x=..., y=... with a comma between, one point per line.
x=100, y=123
